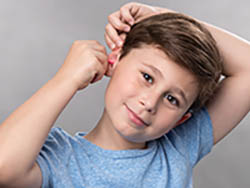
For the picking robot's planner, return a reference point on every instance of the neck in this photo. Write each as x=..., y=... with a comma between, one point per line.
x=105, y=136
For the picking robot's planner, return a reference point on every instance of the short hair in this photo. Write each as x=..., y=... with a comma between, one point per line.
x=186, y=42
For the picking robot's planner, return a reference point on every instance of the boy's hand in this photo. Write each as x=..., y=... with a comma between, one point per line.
x=86, y=63
x=121, y=21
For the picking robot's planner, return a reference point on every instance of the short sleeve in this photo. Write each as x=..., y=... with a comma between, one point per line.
x=194, y=138
x=51, y=155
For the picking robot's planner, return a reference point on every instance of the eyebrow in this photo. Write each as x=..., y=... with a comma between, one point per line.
x=181, y=93
x=174, y=89
x=154, y=69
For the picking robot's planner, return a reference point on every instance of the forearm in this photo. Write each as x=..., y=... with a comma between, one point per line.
x=23, y=133
x=231, y=102
x=234, y=50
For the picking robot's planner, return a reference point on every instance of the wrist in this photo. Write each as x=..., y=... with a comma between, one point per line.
x=66, y=84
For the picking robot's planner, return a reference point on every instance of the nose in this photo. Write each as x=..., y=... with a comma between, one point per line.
x=150, y=101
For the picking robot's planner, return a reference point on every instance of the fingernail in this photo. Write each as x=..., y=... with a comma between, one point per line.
x=112, y=46
x=119, y=43
x=127, y=29
x=131, y=22
x=123, y=37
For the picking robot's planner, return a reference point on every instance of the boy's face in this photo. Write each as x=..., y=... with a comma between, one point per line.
x=147, y=83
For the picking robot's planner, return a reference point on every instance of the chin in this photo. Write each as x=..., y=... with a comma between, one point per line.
x=127, y=132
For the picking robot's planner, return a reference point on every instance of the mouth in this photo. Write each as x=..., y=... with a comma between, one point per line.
x=135, y=118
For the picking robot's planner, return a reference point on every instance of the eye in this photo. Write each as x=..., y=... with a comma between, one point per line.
x=147, y=77
x=172, y=99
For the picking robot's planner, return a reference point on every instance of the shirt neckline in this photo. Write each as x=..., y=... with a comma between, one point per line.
x=96, y=150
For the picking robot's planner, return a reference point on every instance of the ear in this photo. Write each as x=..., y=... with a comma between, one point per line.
x=184, y=118
x=113, y=59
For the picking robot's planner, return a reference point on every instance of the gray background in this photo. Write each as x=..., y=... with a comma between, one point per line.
x=35, y=37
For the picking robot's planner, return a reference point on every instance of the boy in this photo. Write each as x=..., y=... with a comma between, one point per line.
x=141, y=140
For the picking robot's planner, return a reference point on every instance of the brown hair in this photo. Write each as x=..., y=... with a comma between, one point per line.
x=186, y=42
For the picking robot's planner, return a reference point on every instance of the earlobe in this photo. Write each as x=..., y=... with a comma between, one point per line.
x=110, y=68
x=184, y=118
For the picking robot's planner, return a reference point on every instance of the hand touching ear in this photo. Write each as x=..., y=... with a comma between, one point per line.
x=86, y=63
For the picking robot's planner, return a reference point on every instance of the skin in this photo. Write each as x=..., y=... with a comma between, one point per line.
x=151, y=96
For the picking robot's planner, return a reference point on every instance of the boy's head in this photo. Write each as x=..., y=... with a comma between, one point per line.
x=184, y=41
x=168, y=64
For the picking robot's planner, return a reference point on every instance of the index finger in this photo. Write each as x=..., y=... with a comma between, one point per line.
x=112, y=35
x=125, y=14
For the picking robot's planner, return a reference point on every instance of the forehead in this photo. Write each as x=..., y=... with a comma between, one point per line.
x=167, y=72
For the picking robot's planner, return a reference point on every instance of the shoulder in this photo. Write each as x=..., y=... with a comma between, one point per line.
x=58, y=140
x=57, y=157
x=58, y=131
x=59, y=135
x=193, y=139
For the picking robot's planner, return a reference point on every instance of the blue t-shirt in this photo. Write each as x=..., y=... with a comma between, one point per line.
x=73, y=162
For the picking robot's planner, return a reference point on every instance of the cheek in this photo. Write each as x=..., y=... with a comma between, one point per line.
x=124, y=85
x=166, y=120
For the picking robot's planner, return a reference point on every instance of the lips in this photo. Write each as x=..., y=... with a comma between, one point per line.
x=135, y=118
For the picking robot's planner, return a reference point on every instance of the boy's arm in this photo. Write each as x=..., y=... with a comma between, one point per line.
x=24, y=132
x=231, y=102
